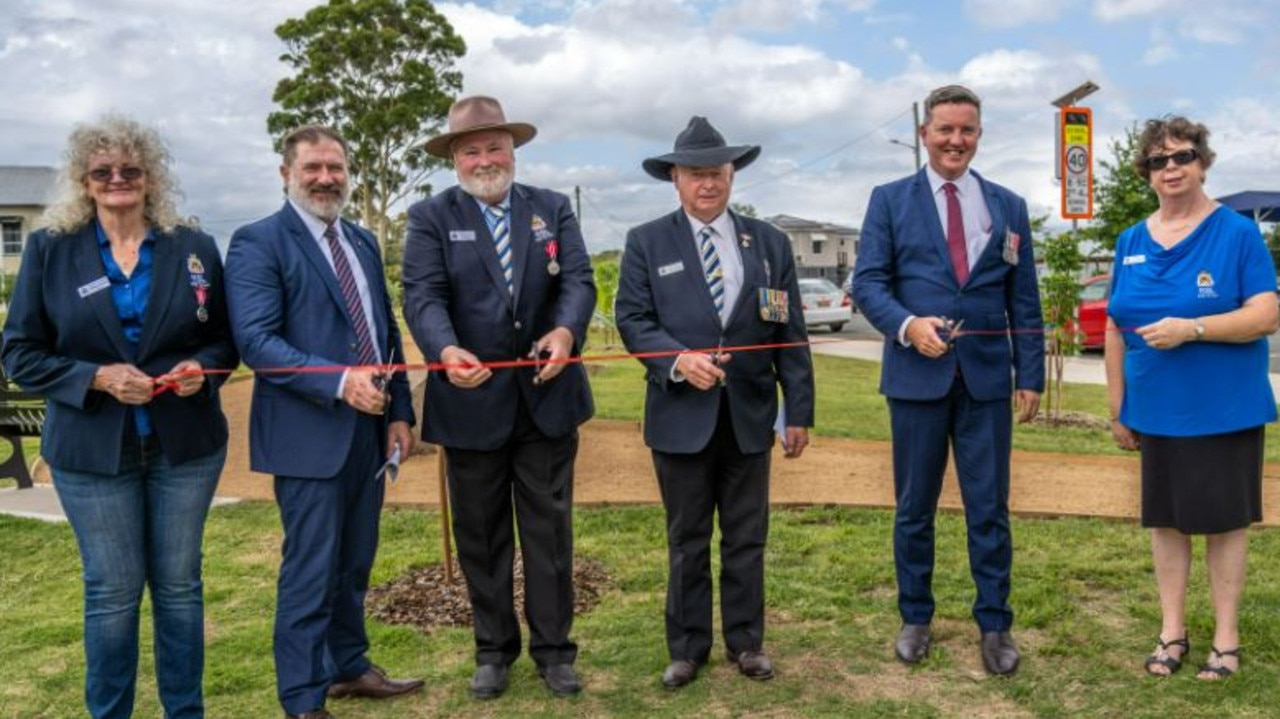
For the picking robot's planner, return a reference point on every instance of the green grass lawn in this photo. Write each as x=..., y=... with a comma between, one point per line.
x=1083, y=592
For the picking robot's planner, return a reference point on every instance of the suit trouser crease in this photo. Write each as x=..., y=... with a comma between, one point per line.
x=533, y=473
x=980, y=433
x=331, y=537
x=694, y=487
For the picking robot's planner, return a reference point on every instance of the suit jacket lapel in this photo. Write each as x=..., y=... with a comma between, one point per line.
x=367, y=254
x=753, y=274
x=687, y=247
x=306, y=244
x=89, y=269
x=998, y=225
x=468, y=214
x=520, y=234
x=166, y=271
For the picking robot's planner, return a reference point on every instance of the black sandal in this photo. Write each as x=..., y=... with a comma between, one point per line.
x=1162, y=657
x=1220, y=670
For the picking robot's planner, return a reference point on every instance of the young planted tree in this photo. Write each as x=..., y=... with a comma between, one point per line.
x=382, y=73
x=1059, y=297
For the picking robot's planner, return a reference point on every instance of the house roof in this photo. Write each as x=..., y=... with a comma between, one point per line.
x=799, y=224
x=24, y=185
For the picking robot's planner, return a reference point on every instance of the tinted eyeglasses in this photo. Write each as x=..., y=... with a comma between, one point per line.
x=104, y=174
x=1180, y=158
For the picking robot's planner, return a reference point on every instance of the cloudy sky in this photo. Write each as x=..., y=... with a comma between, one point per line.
x=823, y=85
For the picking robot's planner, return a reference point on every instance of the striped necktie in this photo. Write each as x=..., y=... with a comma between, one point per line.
x=502, y=242
x=365, y=353
x=711, y=267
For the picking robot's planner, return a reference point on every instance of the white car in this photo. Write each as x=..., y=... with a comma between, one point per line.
x=824, y=304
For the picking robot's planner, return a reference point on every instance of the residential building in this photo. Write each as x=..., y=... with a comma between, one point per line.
x=24, y=193
x=821, y=249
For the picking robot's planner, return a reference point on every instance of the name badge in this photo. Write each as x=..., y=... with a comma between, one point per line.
x=670, y=269
x=1135, y=259
x=97, y=285
x=774, y=306
x=462, y=236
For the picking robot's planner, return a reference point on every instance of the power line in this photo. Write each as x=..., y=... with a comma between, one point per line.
x=835, y=151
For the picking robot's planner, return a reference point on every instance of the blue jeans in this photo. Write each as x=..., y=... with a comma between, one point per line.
x=142, y=526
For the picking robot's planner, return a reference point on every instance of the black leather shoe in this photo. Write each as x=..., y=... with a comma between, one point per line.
x=561, y=679
x=912, y=645
x=679, y=673
x=753, y=665
x=315, y=714
x=373, y=684
x=999, y=653
x=489, y=681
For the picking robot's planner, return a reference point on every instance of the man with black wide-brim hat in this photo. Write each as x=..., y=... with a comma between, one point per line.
x=693, y=283
x=495, y=270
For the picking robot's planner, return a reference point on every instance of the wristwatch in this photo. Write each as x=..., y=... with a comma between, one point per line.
x=1199, y=329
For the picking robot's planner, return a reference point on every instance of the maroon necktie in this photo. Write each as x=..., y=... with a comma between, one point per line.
x=365, y=353
x=955, y=234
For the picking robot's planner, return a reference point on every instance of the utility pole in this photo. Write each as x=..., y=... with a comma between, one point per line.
x=915, y=131
x=577, y=202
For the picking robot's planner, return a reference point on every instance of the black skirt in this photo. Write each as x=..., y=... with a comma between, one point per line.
x=1202, y=485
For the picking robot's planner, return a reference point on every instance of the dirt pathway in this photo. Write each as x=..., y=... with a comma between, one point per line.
x=614, y=467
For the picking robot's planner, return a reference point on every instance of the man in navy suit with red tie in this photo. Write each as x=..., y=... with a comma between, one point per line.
x=306, y=292
x=945, y=272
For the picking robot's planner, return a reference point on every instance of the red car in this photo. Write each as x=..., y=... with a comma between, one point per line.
x=1092, y=311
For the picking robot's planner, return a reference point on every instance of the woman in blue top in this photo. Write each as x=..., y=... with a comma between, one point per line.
x=1193, y=298
x=117, y=309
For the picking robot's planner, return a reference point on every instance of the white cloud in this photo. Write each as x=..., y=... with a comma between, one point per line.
x=1161, y=50
x=1012, y=13
x=1116, y=10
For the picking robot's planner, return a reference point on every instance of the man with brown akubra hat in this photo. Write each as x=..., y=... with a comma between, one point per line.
x=494, y=271
x=695, y=280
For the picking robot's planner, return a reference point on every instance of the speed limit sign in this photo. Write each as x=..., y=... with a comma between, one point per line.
x=1077, y=162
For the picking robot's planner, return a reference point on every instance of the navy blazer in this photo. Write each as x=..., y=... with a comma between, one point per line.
x=288, y=312
x=664, y=304
x=63, y=325
x=455, y=294
x=904, y=269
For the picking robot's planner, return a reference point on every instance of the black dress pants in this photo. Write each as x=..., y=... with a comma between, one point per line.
x=695, y=487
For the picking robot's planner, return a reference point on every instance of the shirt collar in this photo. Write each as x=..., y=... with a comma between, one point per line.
x=505, y=205
x=316, y=225
x=965, y=183
x=104, y=241
x=722, y=224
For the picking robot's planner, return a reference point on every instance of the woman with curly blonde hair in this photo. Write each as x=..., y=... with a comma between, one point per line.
x=116, y=317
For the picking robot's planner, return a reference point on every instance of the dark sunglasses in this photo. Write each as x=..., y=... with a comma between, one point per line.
x=104, y=174
x=1180, y=158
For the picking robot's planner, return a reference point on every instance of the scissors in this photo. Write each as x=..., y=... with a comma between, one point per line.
x=953, y=330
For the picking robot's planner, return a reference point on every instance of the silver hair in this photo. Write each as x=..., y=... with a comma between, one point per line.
x=74, y=208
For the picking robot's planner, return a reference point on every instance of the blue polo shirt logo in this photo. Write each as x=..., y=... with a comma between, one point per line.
x=1204, y=281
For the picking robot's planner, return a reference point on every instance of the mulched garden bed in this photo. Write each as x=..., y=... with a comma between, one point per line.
x=424, y=599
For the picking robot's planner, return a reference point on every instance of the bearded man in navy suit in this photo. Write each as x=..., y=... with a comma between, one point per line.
x=309, y=307
x=945, y=271
x=495, y=270
x=691, y=282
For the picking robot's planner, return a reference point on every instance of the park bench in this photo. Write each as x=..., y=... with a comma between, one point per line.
x=21, y=415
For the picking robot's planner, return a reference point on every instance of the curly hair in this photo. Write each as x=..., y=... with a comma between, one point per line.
x=1159, y=130
x=74, y=208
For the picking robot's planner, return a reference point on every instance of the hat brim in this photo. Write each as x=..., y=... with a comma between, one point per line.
x=659, y=168
x=441, y=145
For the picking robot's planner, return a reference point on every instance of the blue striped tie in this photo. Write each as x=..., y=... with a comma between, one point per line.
x=711, y=267
x=502, y=242
x=365, y=353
